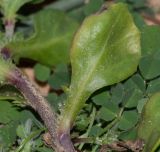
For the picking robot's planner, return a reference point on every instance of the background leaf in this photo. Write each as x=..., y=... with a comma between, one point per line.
x=128, y=120
x=149, y=65
x=102, y=99
x=150, y=39
x=60, y=77
x=153, y=86
x=109, y=112
x=51, y=41
x=149, y=129
x=41, y=72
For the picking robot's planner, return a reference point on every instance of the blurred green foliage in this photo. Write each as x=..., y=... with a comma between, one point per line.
x=119, y=107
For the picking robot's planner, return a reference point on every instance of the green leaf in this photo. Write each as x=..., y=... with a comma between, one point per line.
x=132, y=98
x=82, y=122
x=92, y=7
x=41, y=72
x=54, y=101
x=51, y=40
x=128, y=135
x=149, y=65
x=95, y=131
x=8, y=134
x=108, y=113
x=150, y=39
x=118, y=93
x=105, y=50
x=10, y=7
x=149, y=129
x=141, y=104
x=6, y=117
x=139, y=21
x=135, y=82
x=21, y=131
x=153, y=86
x=102, y=99
x=10, y=93
x=60, y=77
x=128, y=120
x=10, y=118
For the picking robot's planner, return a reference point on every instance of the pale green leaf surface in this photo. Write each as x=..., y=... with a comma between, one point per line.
x=149, y=129
x=105, y=50
x=51, y=40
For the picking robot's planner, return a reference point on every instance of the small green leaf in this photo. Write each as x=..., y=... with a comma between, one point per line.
x=8, y=134
x=135, y=82
x=149, y=65
x=149, y=129
x=118, y=93
x=139, y=21
x=132, y=98
x=109, y=112
x=150, y=39
x=93, y=6
x=6, y=117
x=21, y=132
x=51, y=40
x=60, y=77
x=128, y=135
x=10, y=93
x=141, y=104
x=95, y=131
x=53, y=100
x=128, y=120
x=102, y=99
x=104, y=52
x=82, y=122
x=41, y=72
x=153, y=86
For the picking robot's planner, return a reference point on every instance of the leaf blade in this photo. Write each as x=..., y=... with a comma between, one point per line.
x=98, y=54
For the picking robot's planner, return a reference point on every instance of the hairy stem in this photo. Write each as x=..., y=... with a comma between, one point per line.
x=37, y=102
x=9, y=28
x=14, y=76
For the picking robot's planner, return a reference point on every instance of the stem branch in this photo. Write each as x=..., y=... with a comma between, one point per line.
x=37, y=102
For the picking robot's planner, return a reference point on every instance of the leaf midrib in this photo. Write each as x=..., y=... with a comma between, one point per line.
x=80, y=92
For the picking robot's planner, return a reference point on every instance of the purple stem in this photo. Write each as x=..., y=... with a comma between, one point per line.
x=37, y=102
x=9, y=28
